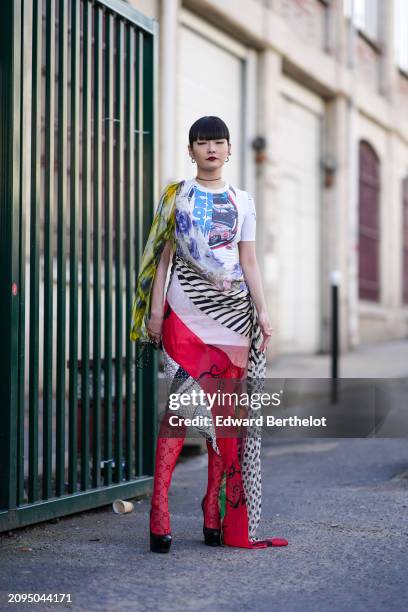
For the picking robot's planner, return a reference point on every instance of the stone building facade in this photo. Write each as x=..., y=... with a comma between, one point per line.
x=323, y=84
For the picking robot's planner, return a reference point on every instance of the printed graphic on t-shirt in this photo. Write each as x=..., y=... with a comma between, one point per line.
x=217, y=215
x=202, y=211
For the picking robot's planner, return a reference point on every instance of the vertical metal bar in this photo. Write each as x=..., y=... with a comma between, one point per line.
x=10, y=150
x=73, y=260
x=34, y=251
x=147, y=154
x=108, y=195
x=129, y=229
x=48, y=244
x=98, y=191
x=26, y=94
x=139, y=239
x=86, y=209
x=62, y=206
x=335, y=281
x=119, y=179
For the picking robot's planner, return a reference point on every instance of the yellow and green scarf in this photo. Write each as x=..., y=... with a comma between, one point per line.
x=162, y=229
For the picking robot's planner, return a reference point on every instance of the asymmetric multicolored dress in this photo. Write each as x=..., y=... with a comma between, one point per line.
x=210, y=342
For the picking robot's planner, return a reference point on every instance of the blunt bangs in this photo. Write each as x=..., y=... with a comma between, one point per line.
x=208, y=128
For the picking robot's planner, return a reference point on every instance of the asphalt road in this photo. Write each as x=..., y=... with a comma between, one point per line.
x=341, y=503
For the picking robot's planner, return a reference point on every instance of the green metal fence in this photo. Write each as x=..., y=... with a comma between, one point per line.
x=77, y=418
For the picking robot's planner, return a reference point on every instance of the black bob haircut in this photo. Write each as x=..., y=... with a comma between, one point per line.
x=208, y=128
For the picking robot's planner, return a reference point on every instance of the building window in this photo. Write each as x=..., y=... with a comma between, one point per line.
x=405, y=241
x=369, y=223
x=365, y=16
x=401, y=33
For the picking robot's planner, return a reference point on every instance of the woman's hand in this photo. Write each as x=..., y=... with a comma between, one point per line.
x=154, y=328
x=266, y=329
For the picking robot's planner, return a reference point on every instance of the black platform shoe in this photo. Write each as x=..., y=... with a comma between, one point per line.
x=160, y=543
x=212, y=537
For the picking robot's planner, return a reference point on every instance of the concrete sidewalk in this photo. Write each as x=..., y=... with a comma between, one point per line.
x=339, y=503
x=379, y=360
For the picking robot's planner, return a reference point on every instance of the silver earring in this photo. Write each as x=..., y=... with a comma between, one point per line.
x=193, y=161
x=227, y=159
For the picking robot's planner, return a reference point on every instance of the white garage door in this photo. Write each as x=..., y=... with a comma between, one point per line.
x=210, y=82
x=299, y=220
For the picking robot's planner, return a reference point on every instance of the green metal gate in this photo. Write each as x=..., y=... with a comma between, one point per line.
x=77, y=419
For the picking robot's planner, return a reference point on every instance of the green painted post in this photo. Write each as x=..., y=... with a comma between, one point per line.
x=73, y=260
x=25, y=165
x=86, y=211
x=48, y=245
x=61, y=253
x=33, y=481
x=97, y=222
x=139, y=239
x=149, y=63
x=118, y=200
x=10, y=88
x=130, y=233
x=108, y=201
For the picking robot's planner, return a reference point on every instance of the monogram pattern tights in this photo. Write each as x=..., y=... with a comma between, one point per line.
x=167, y=452
x=212, y=517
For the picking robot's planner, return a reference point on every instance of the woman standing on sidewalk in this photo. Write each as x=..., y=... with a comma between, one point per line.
x=212, y=327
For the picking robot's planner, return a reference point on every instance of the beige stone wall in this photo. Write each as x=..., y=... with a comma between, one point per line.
x=368, y=64
x=402, y=95
x=150, y=8
x=306, y=19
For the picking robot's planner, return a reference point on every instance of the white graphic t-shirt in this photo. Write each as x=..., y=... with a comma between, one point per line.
x=225, y=216
x=225, y=219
